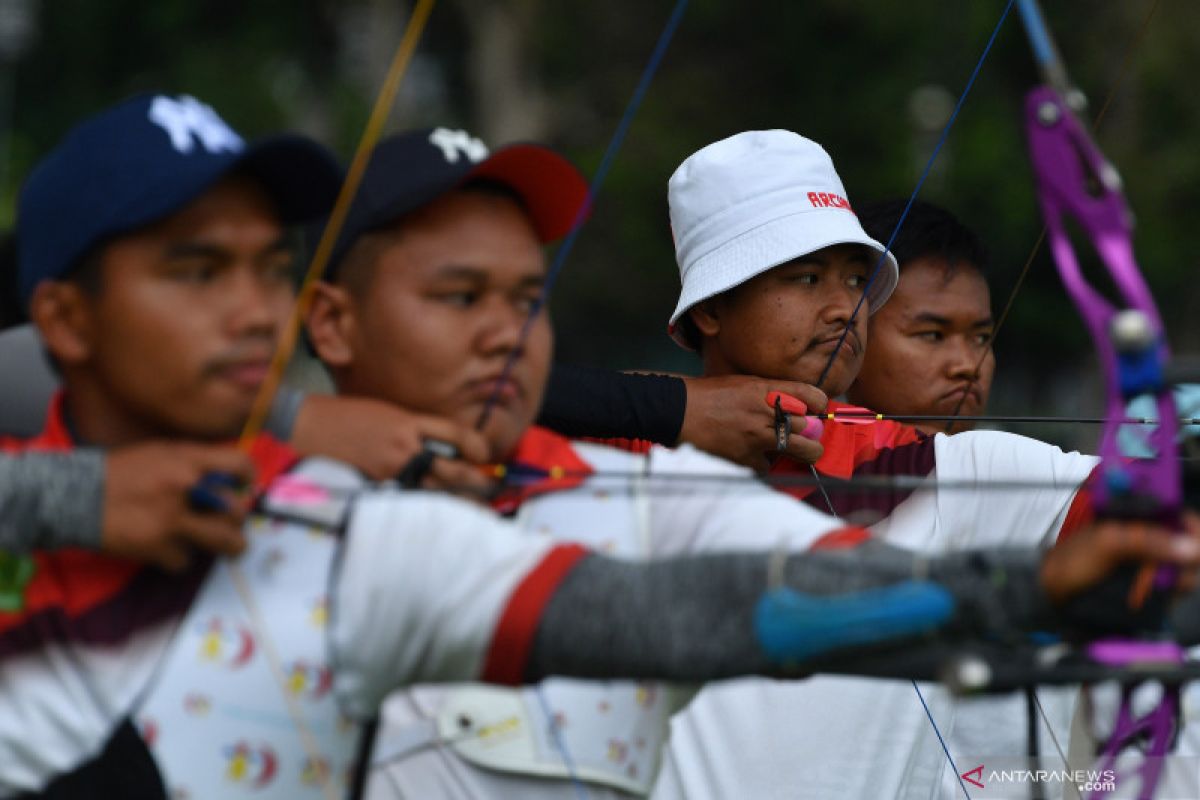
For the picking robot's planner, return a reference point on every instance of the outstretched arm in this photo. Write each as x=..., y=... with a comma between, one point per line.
x=432, y=589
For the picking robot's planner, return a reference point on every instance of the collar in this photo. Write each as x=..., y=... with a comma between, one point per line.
x=271, y=457
x=542, y=462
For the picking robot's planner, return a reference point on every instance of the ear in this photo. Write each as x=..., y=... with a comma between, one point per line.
x=330, y=323
x=704, y=317
x=62, y=312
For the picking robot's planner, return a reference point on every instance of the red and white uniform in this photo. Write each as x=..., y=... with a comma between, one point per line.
x=474, y=741
x=79, y=650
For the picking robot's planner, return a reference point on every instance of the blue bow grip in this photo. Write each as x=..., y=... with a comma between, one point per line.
x=793, y=627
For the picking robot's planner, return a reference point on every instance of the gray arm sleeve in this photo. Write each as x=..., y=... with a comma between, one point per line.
x=50, y=500
x=691, y=619
x=281, y=419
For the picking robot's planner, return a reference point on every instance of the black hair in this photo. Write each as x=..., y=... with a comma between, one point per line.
x=929, y=231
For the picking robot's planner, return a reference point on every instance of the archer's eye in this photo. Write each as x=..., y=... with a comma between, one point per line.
x=933, y=337
x=460, y=299
x=195, y=271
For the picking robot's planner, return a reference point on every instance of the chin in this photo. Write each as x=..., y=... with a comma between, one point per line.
x=208, y=426
x=503, y=432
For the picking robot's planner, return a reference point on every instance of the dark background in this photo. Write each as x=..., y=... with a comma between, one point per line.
x=872, y=80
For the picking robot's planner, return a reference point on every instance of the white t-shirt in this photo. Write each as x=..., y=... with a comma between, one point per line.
x=840, y=738
x=634, y=506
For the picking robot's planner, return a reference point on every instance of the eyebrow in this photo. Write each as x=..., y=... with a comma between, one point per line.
x=459, y=272
x=936, y=319
x=862, y=257
x=206, y=250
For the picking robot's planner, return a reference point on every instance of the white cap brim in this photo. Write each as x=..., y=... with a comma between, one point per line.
x=779, y=241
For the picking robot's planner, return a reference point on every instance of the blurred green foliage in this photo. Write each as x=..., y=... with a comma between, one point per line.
x=843, y=73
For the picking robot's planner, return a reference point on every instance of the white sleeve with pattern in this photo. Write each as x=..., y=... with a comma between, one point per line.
x=723, y=508
x=419, y=586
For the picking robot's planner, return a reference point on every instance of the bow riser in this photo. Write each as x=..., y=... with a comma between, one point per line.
x=1075, y=181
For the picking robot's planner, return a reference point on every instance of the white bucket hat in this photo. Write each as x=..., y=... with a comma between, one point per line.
x=754, y=201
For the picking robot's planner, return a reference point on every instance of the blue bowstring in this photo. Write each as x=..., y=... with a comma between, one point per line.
x=610, y=154
x=945, y=748
x=912, y=198
x=875, y=273
x=556, y=734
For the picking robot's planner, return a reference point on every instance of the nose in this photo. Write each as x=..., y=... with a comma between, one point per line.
x=256, y=306
x=500, y=326
x=962, y=360
x=838, y=304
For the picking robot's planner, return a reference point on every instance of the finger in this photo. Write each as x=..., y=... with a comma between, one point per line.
x=1138, y=542
x=458, y=477
x=811, y=396
x=227, y=460
x=216, y=533
x=471, y=444
x=803, y=449
x=173, y=557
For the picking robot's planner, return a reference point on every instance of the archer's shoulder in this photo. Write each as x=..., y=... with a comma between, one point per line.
x=1000, y=452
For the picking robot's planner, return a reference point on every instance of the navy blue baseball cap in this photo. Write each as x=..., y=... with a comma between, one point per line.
x=410, y=170
x=142, y=160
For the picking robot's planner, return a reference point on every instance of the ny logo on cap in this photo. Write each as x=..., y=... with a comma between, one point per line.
x=454, y=143
x=187, y=120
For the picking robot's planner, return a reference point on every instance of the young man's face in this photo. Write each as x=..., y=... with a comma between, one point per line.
x=786, y=322
x=177, y=336
x=930, y=345
x=432, y=310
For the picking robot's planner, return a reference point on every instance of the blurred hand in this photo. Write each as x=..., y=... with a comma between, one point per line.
x=147, y=515
x=728, y=416
x=1095, y=552
x=380, y=439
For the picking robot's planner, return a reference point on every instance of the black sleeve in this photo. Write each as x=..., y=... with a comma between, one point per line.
x=601, y=403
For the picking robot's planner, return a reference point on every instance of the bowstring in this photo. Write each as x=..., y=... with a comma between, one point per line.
x=560, y=258
x=875, y=274
x=1134, y=45
x=1122, y=71
x=283, y=352
x=916, y=190
x=606, y=162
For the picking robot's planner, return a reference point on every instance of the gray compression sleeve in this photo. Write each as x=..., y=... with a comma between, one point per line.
x=281, y=419
x=691, y=619
x=50, y=500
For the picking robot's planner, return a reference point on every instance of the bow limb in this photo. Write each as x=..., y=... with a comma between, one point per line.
x=286, y=346
x=1075, y=181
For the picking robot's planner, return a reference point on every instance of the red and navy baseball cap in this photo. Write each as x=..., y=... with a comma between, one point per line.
x=142, y=160
x=411, y=170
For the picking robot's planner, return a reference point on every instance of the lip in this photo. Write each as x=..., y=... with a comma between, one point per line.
x=966, y=395
x=827, y=345
x=504, y=389
x=246, y=374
